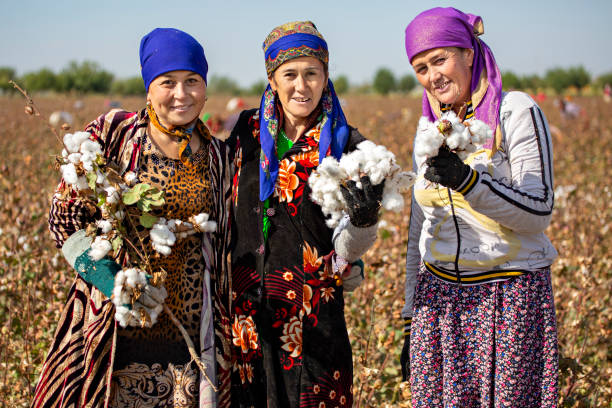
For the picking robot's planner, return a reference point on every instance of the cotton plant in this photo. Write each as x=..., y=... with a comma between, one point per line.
x=463, y=138
x=123, y=201
x=368, y=159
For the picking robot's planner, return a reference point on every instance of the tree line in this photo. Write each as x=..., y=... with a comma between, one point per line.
x=90, y=77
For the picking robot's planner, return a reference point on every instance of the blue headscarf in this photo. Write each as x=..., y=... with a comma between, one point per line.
x=168, y=49
x=286, y=42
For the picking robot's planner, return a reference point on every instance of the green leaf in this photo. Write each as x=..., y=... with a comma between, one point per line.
x=91, y=180
x=117, y=243
x=135, y=193
x=147, y=220
x=156, y=195
x=144, y=205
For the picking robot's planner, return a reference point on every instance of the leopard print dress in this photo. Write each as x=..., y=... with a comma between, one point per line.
x=152, y=366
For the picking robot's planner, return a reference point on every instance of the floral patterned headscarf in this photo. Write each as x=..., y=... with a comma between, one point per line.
x=284, y=43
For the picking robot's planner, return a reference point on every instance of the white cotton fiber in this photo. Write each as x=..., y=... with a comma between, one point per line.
x=130, y=178
x=105, y=225
x=69, y=173
x=369, y=159
x=462, y=138
x=99, y=248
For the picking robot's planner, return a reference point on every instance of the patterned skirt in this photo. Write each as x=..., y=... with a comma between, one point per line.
x=490, y=345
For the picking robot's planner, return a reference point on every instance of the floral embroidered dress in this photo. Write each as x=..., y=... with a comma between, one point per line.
x=290, y=343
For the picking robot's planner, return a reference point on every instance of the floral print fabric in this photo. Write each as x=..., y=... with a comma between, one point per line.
x=489, y=345
x=290, y=343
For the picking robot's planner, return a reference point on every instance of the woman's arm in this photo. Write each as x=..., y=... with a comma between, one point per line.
x=524, y=203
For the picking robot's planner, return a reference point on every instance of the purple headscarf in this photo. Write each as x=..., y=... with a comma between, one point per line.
x=449, y=27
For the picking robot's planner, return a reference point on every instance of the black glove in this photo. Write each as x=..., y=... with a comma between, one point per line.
x=363, y=203
x=447, y=169
x=405, y=358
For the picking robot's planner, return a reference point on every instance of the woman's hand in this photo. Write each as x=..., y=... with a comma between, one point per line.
x=405, y=358
x=363, y=203
x=447, y=169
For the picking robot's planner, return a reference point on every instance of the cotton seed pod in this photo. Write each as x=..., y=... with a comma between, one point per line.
x=29, y=110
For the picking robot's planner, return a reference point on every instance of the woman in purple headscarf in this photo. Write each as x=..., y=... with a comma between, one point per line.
x=479, y=316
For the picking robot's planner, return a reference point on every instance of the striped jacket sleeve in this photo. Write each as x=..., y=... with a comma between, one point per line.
x=413, y=255
x=525, y=202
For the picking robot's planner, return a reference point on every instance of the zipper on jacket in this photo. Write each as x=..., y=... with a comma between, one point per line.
x=452, y=205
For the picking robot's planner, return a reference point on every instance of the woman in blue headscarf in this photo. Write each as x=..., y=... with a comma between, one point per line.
x=94, y=361
x=289, y=269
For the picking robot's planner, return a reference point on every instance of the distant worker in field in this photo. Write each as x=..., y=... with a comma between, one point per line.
x=606, y=93
x=99, y=356
x=480, y=327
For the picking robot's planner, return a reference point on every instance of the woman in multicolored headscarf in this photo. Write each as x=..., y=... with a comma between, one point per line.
x=93, y=361
x=479, y=311
x=289, y=270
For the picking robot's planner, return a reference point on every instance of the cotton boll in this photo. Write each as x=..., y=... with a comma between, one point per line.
x=458, y=139
x=393, y=201
x=74, y=158
x=99, y=248
x=65, y=153
x=112, y=195
x=480, y=131
x=69, y=173
x=119, y=215
x=81, y=183
x=105, y=225
x=351, y=163
x=70, y=143
x=405, y=180
x=201, y=218
x=123, y=316
x=135, y=278
x=131, y=178
x=87, y=164
x=91, y=147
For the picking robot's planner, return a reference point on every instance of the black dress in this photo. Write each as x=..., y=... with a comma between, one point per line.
x=290, y=343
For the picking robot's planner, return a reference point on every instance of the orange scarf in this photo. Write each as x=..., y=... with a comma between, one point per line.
x=183, y=134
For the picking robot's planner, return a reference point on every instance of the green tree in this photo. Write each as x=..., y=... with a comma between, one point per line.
x=223, y=85
x=558, y=79
x=532, y=82
x=384, y=81
x=42, y=80
x=341, y=84
x=604, y=79
x=578, y=77
x=128, y=86
x=258, y=87
x=6, y=74
x=85, y=77
x=511, y=81
x=407, y=83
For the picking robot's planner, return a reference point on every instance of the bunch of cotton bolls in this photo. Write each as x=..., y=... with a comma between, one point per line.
x=79, y=155
x=128, y=283
x=463, y=138
x=368, y=159
x=164, y=233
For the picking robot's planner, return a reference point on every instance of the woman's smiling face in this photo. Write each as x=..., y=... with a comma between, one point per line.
x=446, y=73
x=177, y=97
x=299, y=83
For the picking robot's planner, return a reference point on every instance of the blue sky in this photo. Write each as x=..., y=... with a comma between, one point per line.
x=525, y=36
